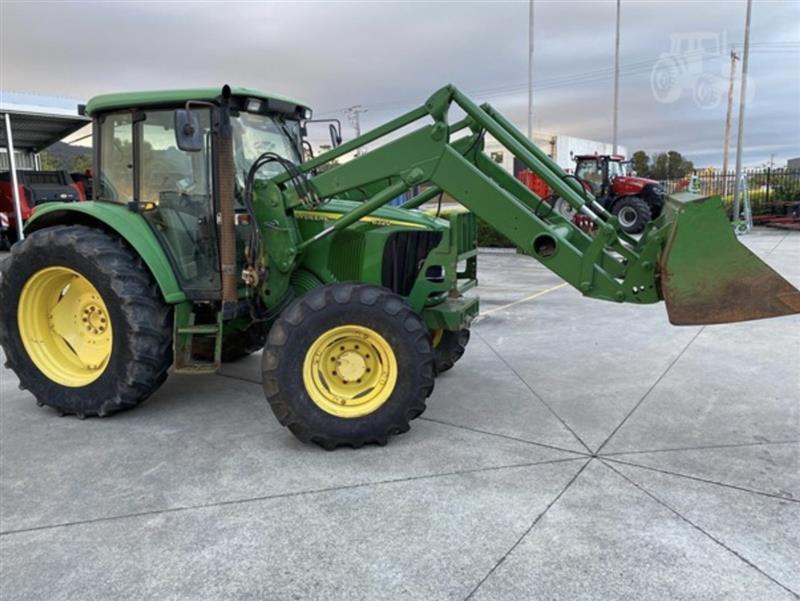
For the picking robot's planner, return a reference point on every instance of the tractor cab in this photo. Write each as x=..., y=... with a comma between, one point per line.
x=144, y=162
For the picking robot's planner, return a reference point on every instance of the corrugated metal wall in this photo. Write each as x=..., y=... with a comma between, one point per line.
x=25, y=160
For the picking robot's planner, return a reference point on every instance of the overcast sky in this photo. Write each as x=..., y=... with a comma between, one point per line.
x=389, y=56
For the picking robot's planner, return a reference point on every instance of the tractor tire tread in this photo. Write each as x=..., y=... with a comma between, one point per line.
x=149, y=320
x=292, y=320
x=450, y=349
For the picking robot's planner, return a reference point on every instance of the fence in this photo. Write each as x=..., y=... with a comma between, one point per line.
x=771, y=190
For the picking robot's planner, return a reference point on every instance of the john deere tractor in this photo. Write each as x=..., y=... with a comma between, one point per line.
x=209, y=237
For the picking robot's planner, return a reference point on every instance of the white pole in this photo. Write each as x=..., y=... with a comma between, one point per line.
x=726, y=148
x=530, y=69
x=742, y=97
x=616, y=81
x=12, y=165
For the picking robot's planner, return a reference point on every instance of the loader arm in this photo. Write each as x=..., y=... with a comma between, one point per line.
x=677, y=259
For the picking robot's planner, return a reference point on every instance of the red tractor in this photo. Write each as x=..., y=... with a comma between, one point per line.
x=634, y=200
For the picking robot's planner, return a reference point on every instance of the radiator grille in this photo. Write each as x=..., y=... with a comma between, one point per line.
x=403, y=257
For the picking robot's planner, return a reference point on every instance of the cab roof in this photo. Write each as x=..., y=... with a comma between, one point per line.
x=613, y=157
x=130, y=100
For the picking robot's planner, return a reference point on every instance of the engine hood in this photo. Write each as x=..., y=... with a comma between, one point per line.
x=634, y=181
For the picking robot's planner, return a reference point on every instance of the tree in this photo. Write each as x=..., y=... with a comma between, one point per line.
x=81, y=163
x=660, y=167
x=670, y=165
x=641, y=163
x=50, y=162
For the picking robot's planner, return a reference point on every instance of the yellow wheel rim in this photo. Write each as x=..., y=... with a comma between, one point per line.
x=436, y=337
x=350, y=371
x=65, y=326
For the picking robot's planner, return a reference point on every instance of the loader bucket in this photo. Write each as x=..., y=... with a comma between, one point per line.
x=708, y=276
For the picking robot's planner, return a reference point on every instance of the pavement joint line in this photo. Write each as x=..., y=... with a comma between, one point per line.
x=786, y=235
x=506, y=436
x=536, y=394
x=699, y=529
x=292, y=494
x=520, y=301
x=649, y=390
x=703, y=447
x=444, y=423
x=527, y=531
x=704, y=480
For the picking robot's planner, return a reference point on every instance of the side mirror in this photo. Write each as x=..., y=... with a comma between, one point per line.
x=336, y=137
x=188, y=133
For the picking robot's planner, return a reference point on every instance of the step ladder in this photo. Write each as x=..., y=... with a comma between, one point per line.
x=186, y=332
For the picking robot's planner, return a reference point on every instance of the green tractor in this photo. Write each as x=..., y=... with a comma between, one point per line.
x=209, y=237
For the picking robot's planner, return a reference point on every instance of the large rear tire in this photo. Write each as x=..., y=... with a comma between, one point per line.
x=348, y=364
x=84, y=326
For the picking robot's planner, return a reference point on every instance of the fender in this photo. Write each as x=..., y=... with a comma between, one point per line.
x=127, y=224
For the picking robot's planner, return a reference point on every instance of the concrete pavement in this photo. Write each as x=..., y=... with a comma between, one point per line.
x=579, y=450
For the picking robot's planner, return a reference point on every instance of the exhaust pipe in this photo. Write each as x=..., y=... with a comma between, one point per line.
x=225, y=188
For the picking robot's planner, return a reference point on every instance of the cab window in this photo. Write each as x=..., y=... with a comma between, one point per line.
x=115, y=180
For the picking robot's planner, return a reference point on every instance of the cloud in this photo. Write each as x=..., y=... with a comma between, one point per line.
x=389, y=56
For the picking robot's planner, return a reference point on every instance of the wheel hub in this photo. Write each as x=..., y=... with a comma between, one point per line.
x=350, y=371
x=350, y=365
x=65, y=326
x=627, y=216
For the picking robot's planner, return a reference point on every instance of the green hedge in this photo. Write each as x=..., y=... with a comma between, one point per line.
x=487, y=236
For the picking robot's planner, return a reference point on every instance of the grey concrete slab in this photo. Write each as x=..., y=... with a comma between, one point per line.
x=422, y=539
x=605, y=539
x=737, y=383
x=590, y=361
x=183, y=447
x=763, y=530
x=768, y=468
x=505, y=277
x=481, y=392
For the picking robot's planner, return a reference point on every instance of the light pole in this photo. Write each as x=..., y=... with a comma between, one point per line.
x=742, y=97
x=725, y=150
x=616, y=81
x=530, y=69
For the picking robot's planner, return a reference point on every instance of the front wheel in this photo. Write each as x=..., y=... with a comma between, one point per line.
x=348, y=364
x=84, y=326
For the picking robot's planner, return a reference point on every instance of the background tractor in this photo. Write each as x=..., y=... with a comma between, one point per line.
x=635, y=201
x=208, y=237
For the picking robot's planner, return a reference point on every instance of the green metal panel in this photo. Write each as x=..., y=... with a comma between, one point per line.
x=129, y=225
x=712, y=278
x=128, y=100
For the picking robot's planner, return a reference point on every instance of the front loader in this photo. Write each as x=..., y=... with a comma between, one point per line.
x=209, y=237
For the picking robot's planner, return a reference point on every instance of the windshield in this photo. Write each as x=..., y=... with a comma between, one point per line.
x=615, y=169
x=253, y=135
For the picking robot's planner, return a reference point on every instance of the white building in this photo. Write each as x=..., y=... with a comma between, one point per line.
x=559, y=148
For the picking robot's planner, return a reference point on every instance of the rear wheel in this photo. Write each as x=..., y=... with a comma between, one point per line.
x=633, y=214
x=84, y=326
x=348, y=364
x=448, y=347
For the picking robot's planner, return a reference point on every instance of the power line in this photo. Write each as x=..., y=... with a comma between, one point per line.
x=594, y=76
